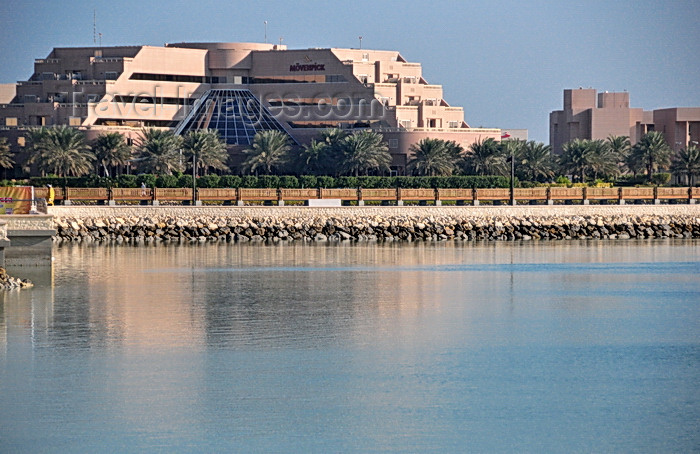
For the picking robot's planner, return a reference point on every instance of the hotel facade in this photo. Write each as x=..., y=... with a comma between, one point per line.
x=596, y=116
x=237, y=88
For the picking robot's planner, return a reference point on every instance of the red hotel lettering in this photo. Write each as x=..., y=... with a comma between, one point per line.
x=5, y=199
x=313, y=67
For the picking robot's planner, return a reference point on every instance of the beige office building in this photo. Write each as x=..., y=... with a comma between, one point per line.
x=593, y=116
x=239, y=89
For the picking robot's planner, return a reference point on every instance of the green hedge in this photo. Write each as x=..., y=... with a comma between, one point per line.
x=660, y=179
x=275, y=181
x=167, y=181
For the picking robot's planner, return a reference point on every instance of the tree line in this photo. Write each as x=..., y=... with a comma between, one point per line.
x=584, y=160
x=64, y=151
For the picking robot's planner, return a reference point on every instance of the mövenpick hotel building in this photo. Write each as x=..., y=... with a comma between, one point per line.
x=237, y=88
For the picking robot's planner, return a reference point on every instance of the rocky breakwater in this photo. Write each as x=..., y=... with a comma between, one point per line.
x=8, y=282
x=141, y=226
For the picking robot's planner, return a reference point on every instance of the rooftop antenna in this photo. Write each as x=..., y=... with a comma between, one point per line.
x=360, y=42
x=281, y=39
x=265, y=32
x=94, y=26
x=100, y=35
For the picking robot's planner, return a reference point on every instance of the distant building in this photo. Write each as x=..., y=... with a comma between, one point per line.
x=591, y=115
x=7, y=93
x=239, y=89
x=680, y=125
x=514, y=134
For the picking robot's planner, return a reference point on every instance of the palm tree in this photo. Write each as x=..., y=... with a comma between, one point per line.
x=432, y=157
x=315, y=158
x=620, y=146
x=364, y=151
x=507, y=149
x=652, y=151
x=485, y=158
x=6, y=160
x=333, y=137
x=111, y=150
x=574, y=159
x=687, y=162
x=158, y=152
x=60, y=150
x=602, y=160
x=207, y=148
x=455, y=150
x=634, y=163
x=534, y=161
x=268, y=152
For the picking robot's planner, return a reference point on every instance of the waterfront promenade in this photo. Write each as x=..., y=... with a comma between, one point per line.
x=394, y=211
x=156, y=223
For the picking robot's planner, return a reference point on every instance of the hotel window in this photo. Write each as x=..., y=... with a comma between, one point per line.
x=335, y=78
x=454, y=124
x=365, y=57
x=393, y=143
x=170, y=78
x=29, y=99
x=110, y=75
x=405, y=123
x=160, y=100
x=363, y=78
x=10, y=121
x=301, y=79
x=74, y=121
x=21, y=141
x=48, y=76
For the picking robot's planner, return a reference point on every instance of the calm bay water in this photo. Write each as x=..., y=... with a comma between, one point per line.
x=535, y=347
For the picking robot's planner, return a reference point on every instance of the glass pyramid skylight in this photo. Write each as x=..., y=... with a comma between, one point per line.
x=237, y=114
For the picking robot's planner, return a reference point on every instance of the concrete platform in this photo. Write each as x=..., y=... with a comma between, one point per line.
x=30, y=239
x=324, y=202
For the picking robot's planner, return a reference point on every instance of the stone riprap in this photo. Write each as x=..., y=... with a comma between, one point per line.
x=8, y=282
x=277, y=224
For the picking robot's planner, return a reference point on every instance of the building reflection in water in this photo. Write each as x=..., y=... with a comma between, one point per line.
x=255, y=295
x=158, y=336
x=28, y=314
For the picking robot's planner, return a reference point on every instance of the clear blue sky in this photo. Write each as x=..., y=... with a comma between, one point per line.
x=505, y=62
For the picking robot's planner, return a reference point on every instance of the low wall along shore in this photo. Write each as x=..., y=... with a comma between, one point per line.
x=143, y=224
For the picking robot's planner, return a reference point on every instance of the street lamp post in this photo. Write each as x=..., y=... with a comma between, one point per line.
x=194, y=178
x=512, y=177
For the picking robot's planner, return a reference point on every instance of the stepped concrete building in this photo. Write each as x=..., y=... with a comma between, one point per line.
x=237, y=88
x=591, y=115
